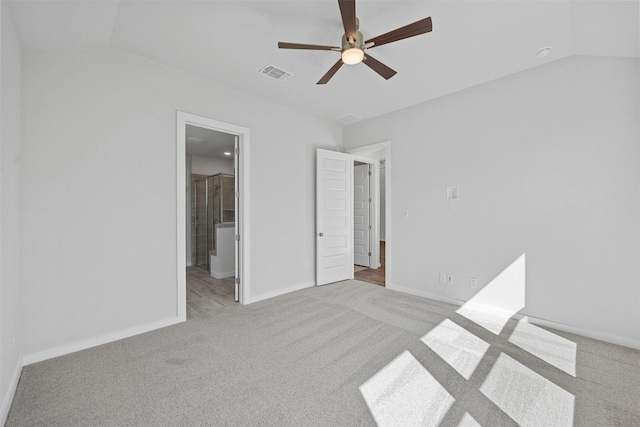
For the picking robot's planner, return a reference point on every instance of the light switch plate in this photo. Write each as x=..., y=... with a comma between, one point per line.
x=453, y=193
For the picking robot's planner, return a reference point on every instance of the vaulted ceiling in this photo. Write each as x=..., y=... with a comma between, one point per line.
x=229, y=42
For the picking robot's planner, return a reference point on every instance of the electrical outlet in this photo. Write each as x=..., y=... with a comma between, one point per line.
x=450, y=279
x=473, y=282
x=443, y=278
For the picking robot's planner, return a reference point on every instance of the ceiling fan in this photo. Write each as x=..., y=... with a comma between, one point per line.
x=354, y=46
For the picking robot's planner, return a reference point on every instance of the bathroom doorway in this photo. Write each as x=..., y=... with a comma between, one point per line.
x=213, y=232
x=211, y=219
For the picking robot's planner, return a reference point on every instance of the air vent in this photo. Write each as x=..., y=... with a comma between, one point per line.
x=349, y=118
x=275, y=72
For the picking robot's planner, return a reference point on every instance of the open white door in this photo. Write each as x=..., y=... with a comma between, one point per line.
x=334, y=217
x=362, y=215
x=236, y=161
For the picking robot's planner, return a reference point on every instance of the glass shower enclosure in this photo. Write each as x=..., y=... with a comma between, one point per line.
x=212, y=206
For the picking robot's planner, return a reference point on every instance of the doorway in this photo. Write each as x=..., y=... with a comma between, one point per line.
x=375, y=157
x=212, y=226
x=369, y=249
x=211, y=175
x=335, y=212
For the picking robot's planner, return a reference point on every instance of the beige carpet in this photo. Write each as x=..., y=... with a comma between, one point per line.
x=347, y=354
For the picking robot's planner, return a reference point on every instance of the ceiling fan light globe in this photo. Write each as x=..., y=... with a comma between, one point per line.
x=352, y=56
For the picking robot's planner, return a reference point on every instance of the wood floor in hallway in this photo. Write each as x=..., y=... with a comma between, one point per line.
x=372, y=275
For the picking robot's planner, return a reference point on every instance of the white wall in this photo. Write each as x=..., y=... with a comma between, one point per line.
x=547, y=162
x=10, y=297
x=202, y=165
x=99, y=190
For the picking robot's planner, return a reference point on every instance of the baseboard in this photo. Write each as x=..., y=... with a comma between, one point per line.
x=279, y=292
x=11, y=391
x=601, y=336
x=223, y=275
x=427, y=295
x=94, y=342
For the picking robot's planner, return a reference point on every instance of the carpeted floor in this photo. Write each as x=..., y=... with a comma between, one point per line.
x=345, y=354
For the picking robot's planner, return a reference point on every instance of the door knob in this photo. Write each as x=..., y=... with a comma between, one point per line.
x=320, y=234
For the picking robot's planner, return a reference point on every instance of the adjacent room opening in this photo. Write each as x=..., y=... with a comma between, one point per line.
x=369, y=219
x=210, y=219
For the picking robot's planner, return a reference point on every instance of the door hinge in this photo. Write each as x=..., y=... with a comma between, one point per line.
x=237, y=151
x=237, y=194
x=237, y=237
x=237, y=280
x=369, y=199
x=369, y=173
x=369, y=253
x=370, y=227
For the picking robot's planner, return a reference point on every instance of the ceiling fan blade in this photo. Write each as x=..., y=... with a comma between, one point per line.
x=419, y=27
x=285, y=45
x=330, y=73
x=378, y=67
x=348, y=12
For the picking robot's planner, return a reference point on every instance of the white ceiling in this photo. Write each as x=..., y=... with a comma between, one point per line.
x=214, y=143
x=472, y=42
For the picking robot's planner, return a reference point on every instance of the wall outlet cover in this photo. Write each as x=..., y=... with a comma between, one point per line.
x=453, y=193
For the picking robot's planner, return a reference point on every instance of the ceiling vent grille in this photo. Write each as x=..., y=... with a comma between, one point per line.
x=275, y=72
x=349, y=118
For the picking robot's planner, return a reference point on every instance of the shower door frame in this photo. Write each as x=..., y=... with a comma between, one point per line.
x=194, y=213
x=242, y=199
x=209, y=222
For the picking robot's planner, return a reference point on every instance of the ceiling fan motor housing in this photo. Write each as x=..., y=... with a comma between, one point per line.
x=358, y=43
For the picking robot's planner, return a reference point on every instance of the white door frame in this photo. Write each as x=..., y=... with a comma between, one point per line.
x=242, y=227
x=386, y=148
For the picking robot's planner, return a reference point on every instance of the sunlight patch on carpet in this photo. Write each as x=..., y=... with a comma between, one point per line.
x=553, y=349
x=527, y=397
x=461, y=349
x=468, y=421
x=404, y=393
